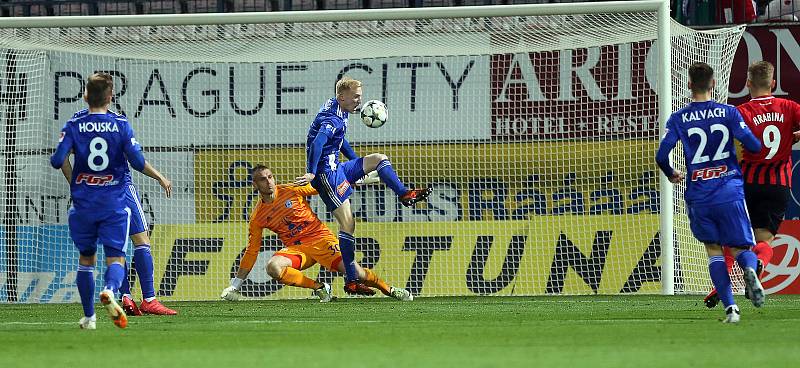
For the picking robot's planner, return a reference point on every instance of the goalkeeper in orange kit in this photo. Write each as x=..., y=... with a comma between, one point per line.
x=284, y=210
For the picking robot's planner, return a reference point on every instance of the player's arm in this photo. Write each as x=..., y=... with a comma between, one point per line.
x=314, y=152
x=165, y=183
x=66, y=169
x=347, y=150
x=231, y=292
x=132, y=149
x=668, y=142
x=304, y=190
x=743, y=133
x=62, y=150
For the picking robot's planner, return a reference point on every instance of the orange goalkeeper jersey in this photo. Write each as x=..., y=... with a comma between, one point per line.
x=289, y=216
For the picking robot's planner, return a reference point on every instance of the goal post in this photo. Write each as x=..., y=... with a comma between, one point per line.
x=536, y=125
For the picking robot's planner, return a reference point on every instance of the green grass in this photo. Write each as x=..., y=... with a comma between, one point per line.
x=592, y=331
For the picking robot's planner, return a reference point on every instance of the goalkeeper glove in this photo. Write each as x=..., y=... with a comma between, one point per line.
x=230, y=294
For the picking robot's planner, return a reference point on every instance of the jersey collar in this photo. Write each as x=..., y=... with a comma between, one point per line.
x=762, y=98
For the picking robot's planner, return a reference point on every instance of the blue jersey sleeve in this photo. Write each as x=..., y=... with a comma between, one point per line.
x=348, y=150
x=315, y=152
x=133, y=150
x=743, y=133
x=668, y=142
x=63, y=149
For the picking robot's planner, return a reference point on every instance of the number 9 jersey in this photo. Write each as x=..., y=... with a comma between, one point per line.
x=101, y=142
x=706, y=130
x=774, y=121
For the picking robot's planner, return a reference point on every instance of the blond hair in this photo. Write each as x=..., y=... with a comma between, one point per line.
x=346, y=84
x=760, y=74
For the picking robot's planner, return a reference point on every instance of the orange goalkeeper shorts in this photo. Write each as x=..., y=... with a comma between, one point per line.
x=324, y=251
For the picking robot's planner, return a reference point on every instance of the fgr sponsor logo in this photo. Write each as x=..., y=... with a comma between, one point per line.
x=710, y=173
x=781, y=274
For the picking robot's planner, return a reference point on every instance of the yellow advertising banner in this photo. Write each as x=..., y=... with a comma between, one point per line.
x=472, y=182
x=602, y=254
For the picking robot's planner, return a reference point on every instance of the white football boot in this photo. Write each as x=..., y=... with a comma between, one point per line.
x=401, y=294
x=732, y=314
x=324, y=293
x=88, y=323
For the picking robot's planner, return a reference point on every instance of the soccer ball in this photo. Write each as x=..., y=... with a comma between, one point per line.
x=374, y=114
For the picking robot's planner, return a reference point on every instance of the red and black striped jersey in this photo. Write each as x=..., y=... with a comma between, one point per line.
x=773, y=121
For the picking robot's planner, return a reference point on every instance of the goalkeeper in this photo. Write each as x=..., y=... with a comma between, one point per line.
x=285, y=210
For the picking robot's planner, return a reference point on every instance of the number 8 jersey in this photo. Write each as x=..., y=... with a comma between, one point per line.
x=706, y=130
x=774, y=121
x=100, y=142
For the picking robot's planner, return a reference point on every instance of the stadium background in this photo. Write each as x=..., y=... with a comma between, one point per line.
x=461, y=207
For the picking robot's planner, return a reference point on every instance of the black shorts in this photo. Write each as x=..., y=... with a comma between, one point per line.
x=767, y=205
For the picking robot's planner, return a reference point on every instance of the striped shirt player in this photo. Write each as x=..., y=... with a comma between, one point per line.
x=768, y=173
x=285, y=210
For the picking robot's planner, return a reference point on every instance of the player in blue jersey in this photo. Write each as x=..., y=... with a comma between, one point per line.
x=332, y=179
x=142, y=258
x=714, y=186
x=103, y=144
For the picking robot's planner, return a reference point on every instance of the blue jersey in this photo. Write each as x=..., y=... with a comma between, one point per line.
x=101, y=143
x=705, y=129
x=331, y=121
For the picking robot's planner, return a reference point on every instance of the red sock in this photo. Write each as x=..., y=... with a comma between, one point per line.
x=763, y=251
x=728, y=258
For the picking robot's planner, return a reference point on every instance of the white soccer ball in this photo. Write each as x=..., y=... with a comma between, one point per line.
x=374, y=114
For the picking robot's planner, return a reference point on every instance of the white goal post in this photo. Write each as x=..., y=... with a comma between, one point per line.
x=536, y=125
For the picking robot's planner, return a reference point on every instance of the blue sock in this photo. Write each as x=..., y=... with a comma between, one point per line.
x=747, y=259
x=347, y=246
x=85, y=282
x=114, y=275
x=389, y=177
x=125, y=288
x=721, y=279
x=143, y=262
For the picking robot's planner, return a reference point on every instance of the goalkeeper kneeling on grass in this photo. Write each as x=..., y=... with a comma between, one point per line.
x=284, y=210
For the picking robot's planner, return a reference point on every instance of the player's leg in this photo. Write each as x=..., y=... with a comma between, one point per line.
x=84, y=280
x=113, y=234
x=142, y=260
x=143, y=263
x=721, y=280
x=767, y=206
x=380, y=163
x=335, y=190
x=136, y=226
x=738, y=235
x=83, y=232
x=347, y=245
x=705, y=229
x=285, y=265
x=371, y=279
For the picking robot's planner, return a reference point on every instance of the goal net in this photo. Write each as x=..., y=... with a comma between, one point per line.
x=537, y=133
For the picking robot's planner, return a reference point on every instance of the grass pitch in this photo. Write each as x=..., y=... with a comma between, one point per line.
x=590, y=331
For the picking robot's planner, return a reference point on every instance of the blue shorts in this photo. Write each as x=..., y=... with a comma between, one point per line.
x=726, y=224
x=334, y=186
x=134, y=202
x=110, y=227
